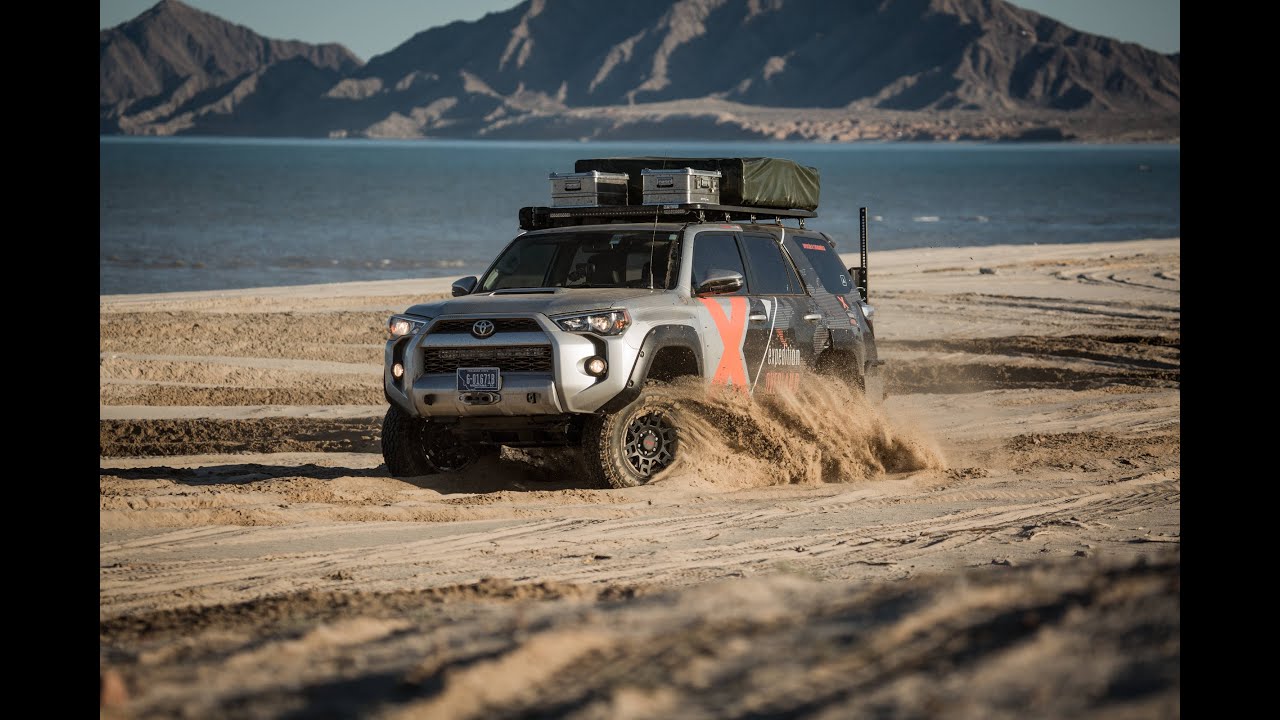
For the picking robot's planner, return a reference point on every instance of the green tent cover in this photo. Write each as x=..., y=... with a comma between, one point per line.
x=750, y=181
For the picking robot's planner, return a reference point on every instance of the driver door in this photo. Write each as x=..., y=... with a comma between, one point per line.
x=727, y=353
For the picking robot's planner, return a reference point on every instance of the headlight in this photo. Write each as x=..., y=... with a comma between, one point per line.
x=401, y=325
x=607, y=322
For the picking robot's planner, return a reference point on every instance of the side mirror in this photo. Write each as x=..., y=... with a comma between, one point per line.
x=860, y=281
x=464, y=286
x=720, y=282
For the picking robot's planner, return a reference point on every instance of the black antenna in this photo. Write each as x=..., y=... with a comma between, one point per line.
x=653, y=238
x=862, y=241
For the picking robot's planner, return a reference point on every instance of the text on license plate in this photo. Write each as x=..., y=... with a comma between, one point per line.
x=484, y=378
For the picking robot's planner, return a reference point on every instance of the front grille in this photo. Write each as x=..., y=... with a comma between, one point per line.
x=512, y=358
x=501, y=325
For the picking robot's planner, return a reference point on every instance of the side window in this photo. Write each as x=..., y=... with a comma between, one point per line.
x=826, y=262
x=771, y=272
x=716, y=253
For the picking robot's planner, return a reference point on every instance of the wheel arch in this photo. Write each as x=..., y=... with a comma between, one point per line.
x=667, y=352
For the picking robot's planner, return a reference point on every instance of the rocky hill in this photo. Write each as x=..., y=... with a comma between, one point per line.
x=799, y=69
x=175, y=69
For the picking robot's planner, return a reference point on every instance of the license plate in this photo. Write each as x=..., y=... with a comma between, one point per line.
x=484, y=378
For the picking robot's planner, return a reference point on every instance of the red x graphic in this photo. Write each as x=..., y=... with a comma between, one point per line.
x=732, y=369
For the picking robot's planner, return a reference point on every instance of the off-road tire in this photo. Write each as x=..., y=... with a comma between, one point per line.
x=402, y=444
x=614, y=444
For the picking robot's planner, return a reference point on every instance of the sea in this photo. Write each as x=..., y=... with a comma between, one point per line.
x=215, y=213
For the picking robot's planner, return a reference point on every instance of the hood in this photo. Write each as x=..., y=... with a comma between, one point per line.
x=549, y=301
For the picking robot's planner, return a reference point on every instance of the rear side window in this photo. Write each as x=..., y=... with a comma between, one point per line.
x=771, y=272
x=716, y=253
x=826, y=261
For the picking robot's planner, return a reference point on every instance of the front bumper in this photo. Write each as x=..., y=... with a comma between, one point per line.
x=565, y=388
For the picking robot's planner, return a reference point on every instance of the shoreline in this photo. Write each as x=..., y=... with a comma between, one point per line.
x=439, y=284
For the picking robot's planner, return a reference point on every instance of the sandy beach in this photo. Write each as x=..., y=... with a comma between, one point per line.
x=999, y=539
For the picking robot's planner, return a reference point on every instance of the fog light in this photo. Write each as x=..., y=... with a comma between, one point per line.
x=596, y=366
x=397, y=370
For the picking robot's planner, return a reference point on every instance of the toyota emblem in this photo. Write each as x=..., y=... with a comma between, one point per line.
x=483, y=328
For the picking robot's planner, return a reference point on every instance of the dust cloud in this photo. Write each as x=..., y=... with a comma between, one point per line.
x=822, y=431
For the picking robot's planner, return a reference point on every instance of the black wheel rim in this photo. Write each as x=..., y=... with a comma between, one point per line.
x=445, y=451
x=650, y=443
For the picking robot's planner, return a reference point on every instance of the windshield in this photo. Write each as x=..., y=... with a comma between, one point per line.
x=593, y=259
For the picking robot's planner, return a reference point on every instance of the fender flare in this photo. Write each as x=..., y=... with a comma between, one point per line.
x=659, y=337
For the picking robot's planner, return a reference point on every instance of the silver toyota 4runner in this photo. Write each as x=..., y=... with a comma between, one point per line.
x=567, y=337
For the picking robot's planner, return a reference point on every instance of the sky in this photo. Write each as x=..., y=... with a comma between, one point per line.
x=373, y=27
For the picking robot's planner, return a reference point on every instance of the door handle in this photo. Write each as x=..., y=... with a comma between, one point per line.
x=758, y=317
x=813, y=317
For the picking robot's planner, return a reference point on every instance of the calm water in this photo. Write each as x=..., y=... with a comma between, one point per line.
x=201, y=214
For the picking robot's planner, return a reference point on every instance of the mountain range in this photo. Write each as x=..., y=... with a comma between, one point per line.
x=586, y=69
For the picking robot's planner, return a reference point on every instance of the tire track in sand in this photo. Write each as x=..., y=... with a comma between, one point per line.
x=828, y=536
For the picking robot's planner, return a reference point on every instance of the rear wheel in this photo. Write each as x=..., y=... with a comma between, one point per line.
x=633, y=445
x=445, y=451
x=413, y=446
x=845, y=367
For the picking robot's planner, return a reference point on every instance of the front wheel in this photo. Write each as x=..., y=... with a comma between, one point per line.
x=402, y=447
x=631, y=446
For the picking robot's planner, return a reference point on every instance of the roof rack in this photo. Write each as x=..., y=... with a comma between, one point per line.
x=537, y=218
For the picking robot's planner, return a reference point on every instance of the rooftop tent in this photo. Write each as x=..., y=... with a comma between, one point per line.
x=751, y=182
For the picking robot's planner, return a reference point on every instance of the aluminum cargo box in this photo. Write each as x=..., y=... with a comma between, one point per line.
x=588, y=189
x=747, y=181
x=681, y=185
